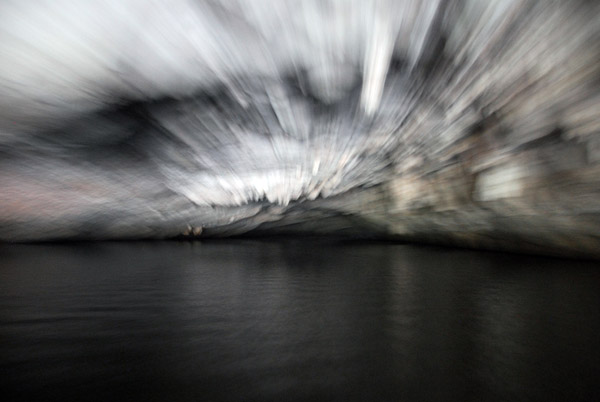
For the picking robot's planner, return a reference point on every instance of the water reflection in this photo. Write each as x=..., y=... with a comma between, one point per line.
x=294, y=320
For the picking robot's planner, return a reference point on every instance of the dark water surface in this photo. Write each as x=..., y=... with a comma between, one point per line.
x=294, y=320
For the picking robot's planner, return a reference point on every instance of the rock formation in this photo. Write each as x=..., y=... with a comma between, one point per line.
x=466, y=122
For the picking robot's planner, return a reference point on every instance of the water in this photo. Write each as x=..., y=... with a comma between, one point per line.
x=294, y=320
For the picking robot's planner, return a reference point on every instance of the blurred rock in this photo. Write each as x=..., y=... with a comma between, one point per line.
x=464, y=122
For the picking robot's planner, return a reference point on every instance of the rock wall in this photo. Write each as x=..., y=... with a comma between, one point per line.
x=463, y=122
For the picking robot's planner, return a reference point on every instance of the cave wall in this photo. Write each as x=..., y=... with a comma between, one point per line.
x=462, y=122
